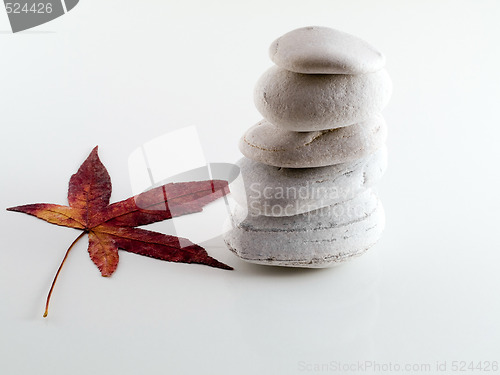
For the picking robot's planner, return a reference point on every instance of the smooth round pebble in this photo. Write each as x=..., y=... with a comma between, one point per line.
x=322, y=50
x=320, y=238
x=309, y=102
x=273, y=191
x=271, y=145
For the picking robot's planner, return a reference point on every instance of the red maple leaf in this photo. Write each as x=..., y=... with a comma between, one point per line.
x=112, y=226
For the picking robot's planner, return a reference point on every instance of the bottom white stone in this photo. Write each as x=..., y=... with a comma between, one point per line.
x=319, y=238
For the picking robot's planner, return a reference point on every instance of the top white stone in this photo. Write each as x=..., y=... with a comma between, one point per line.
x=322, y=50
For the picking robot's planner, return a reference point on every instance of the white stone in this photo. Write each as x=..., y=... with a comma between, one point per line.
x=309, y=102
x=323, y=50
x=273, y=191
x=271, y=145
x=320, y=238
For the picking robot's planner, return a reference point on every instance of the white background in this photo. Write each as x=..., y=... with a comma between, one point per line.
x=119, y=73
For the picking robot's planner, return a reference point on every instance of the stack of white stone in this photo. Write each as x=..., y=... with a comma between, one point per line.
x=310, y=164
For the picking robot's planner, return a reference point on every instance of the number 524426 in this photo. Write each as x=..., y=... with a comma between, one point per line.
x=18, y=8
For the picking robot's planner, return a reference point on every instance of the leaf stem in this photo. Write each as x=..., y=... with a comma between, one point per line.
x=57, y=274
